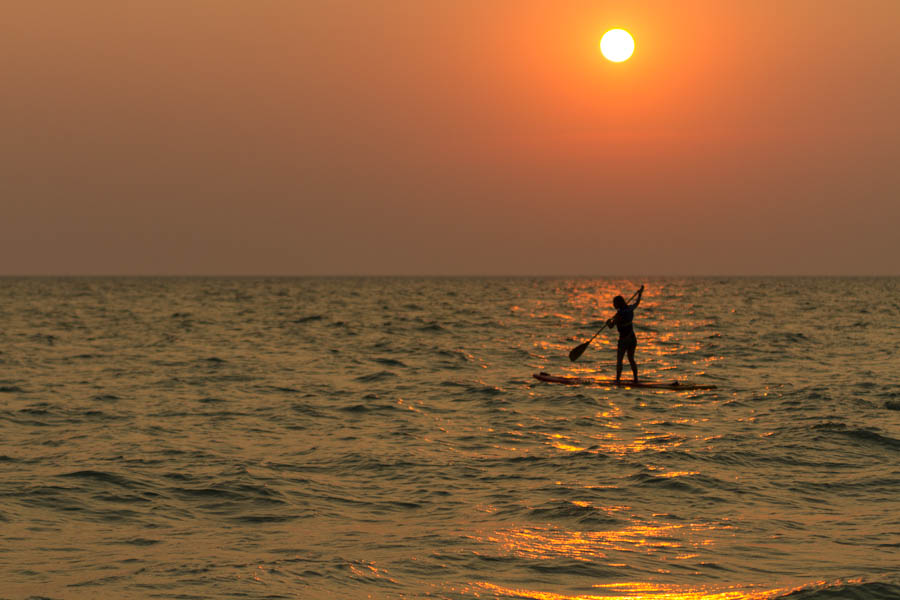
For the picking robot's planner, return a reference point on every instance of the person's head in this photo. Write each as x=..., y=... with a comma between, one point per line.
x=619, y=302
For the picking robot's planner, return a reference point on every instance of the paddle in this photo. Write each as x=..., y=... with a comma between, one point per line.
x=578, y=350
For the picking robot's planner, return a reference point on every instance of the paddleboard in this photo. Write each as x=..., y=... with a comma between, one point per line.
x=625, y=383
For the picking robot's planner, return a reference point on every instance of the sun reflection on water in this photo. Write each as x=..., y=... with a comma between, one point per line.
x=644, y=591
x=670, y=346
x=545, y=543
x=612, y=442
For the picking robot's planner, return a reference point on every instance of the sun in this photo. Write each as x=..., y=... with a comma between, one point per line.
x=617, y=45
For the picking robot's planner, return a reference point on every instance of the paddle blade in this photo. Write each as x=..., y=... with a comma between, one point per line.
x=578, y=350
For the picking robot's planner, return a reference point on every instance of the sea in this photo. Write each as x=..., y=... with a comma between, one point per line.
x=348, y=438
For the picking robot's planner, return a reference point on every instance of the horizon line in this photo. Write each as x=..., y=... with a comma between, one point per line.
x=432, y=276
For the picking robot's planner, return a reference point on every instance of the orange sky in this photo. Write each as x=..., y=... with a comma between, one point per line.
x=449, y=137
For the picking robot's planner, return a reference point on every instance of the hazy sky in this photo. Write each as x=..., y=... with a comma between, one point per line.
x=449, y=137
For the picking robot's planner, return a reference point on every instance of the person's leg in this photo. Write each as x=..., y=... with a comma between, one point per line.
x=633, y=364
x=620, y=354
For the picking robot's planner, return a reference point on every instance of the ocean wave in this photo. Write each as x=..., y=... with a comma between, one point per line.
x=678, y=484
x=365, y=408
x=308, y=319
x=389, y=362
x=848, y=591
x=373, y=377
x=583, y=514
x=858, y=434
x=103, y=477
x=232, y=491
x=467, y=389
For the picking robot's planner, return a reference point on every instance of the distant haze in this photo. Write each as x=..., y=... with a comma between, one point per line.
x=449, y=137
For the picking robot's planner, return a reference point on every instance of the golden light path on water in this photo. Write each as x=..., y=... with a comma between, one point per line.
x=643, y=591
x=662, y=338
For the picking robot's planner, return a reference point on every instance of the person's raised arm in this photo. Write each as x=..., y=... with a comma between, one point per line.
x=639, y=296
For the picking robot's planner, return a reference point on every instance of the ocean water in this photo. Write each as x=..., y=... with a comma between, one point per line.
x=384, y=438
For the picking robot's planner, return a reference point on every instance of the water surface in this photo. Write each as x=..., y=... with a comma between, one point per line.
x=383, y=438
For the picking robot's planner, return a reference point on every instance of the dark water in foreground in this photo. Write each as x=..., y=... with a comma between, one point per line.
x=383, y=438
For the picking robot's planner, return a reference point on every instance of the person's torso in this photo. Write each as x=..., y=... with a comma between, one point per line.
x=624, y=321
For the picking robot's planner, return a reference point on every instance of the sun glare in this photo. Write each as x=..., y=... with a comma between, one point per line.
x=617, y=45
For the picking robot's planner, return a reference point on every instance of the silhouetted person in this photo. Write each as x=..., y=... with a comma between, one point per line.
x=627, y=340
